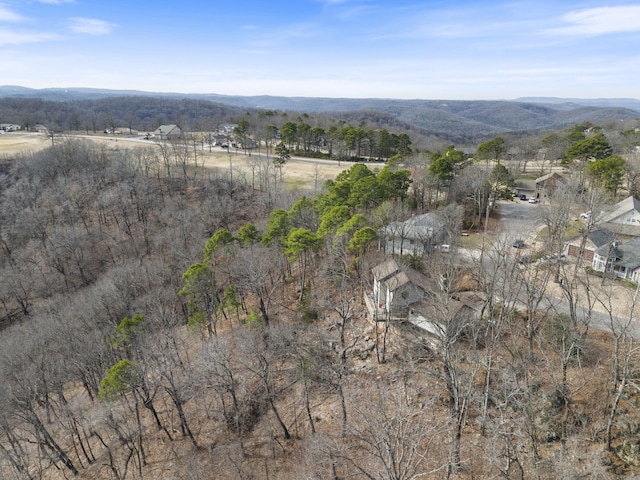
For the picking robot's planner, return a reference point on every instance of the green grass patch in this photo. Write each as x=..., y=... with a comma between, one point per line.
x=294, y=183
x=573, y=230
x=474, y=241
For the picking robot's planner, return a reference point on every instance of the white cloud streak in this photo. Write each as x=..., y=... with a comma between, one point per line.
x=56, y=2
x=90, y=26
x=599, y=21
x=12, y=37
x=6, y=15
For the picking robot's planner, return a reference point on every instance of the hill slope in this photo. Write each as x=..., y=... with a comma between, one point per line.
x=457, y=120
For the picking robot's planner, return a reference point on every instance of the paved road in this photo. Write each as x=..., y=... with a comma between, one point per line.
x=597, y=318
x=520, y=221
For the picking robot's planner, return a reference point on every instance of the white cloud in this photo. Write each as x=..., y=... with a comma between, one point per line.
x=6, y=15
x=12, y=37
x=56, y=2
x=600, y=21
x=91, y=26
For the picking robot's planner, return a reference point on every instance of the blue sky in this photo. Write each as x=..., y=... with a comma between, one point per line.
x=334, y=48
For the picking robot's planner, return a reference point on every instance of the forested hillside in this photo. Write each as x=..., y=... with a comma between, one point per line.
x=452, y=121
x=139, y=113
x=165, y=321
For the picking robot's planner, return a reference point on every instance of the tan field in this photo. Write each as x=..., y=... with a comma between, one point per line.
x=12, y=143
x=297, y=172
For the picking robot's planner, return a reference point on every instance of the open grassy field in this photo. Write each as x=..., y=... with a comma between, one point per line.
x=297, y=172
x=12, y=143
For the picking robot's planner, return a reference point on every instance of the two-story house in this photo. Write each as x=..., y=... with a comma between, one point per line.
x=621, y=259
x=414, y=236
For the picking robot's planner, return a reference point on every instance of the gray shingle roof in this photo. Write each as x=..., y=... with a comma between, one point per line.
x=628, y=254
x=627, y=205
x=420, y=227
x=546, y=177
x=385, y=269
x=600, y=237
x=395, y=275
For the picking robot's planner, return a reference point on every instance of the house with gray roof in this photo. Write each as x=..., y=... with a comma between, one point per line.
x=586, y=245
x=402, y=294
x=624, y=217
x=396, y=287
x=168, y=132
x=621, y=259
x=414, y=236
x=547, y=184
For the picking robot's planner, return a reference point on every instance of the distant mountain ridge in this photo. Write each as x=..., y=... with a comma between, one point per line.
x=631, y=103
x=455, y=119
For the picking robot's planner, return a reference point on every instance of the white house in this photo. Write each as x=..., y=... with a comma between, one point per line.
x=621, y=259
x=227, y=128
x=413, y=237
x=121, y=131
x=624, y=217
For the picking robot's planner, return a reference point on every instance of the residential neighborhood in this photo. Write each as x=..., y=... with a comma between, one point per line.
x=254, y=293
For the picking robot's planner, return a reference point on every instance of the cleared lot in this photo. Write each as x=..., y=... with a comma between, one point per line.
x=297, y=172
x=12, y=143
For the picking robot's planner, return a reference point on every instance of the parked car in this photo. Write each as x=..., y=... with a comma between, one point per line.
x=523, y=197
x=525, y=259
x=518, y=243
x=586, y=214
x=551, y=259
x=533, y=200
